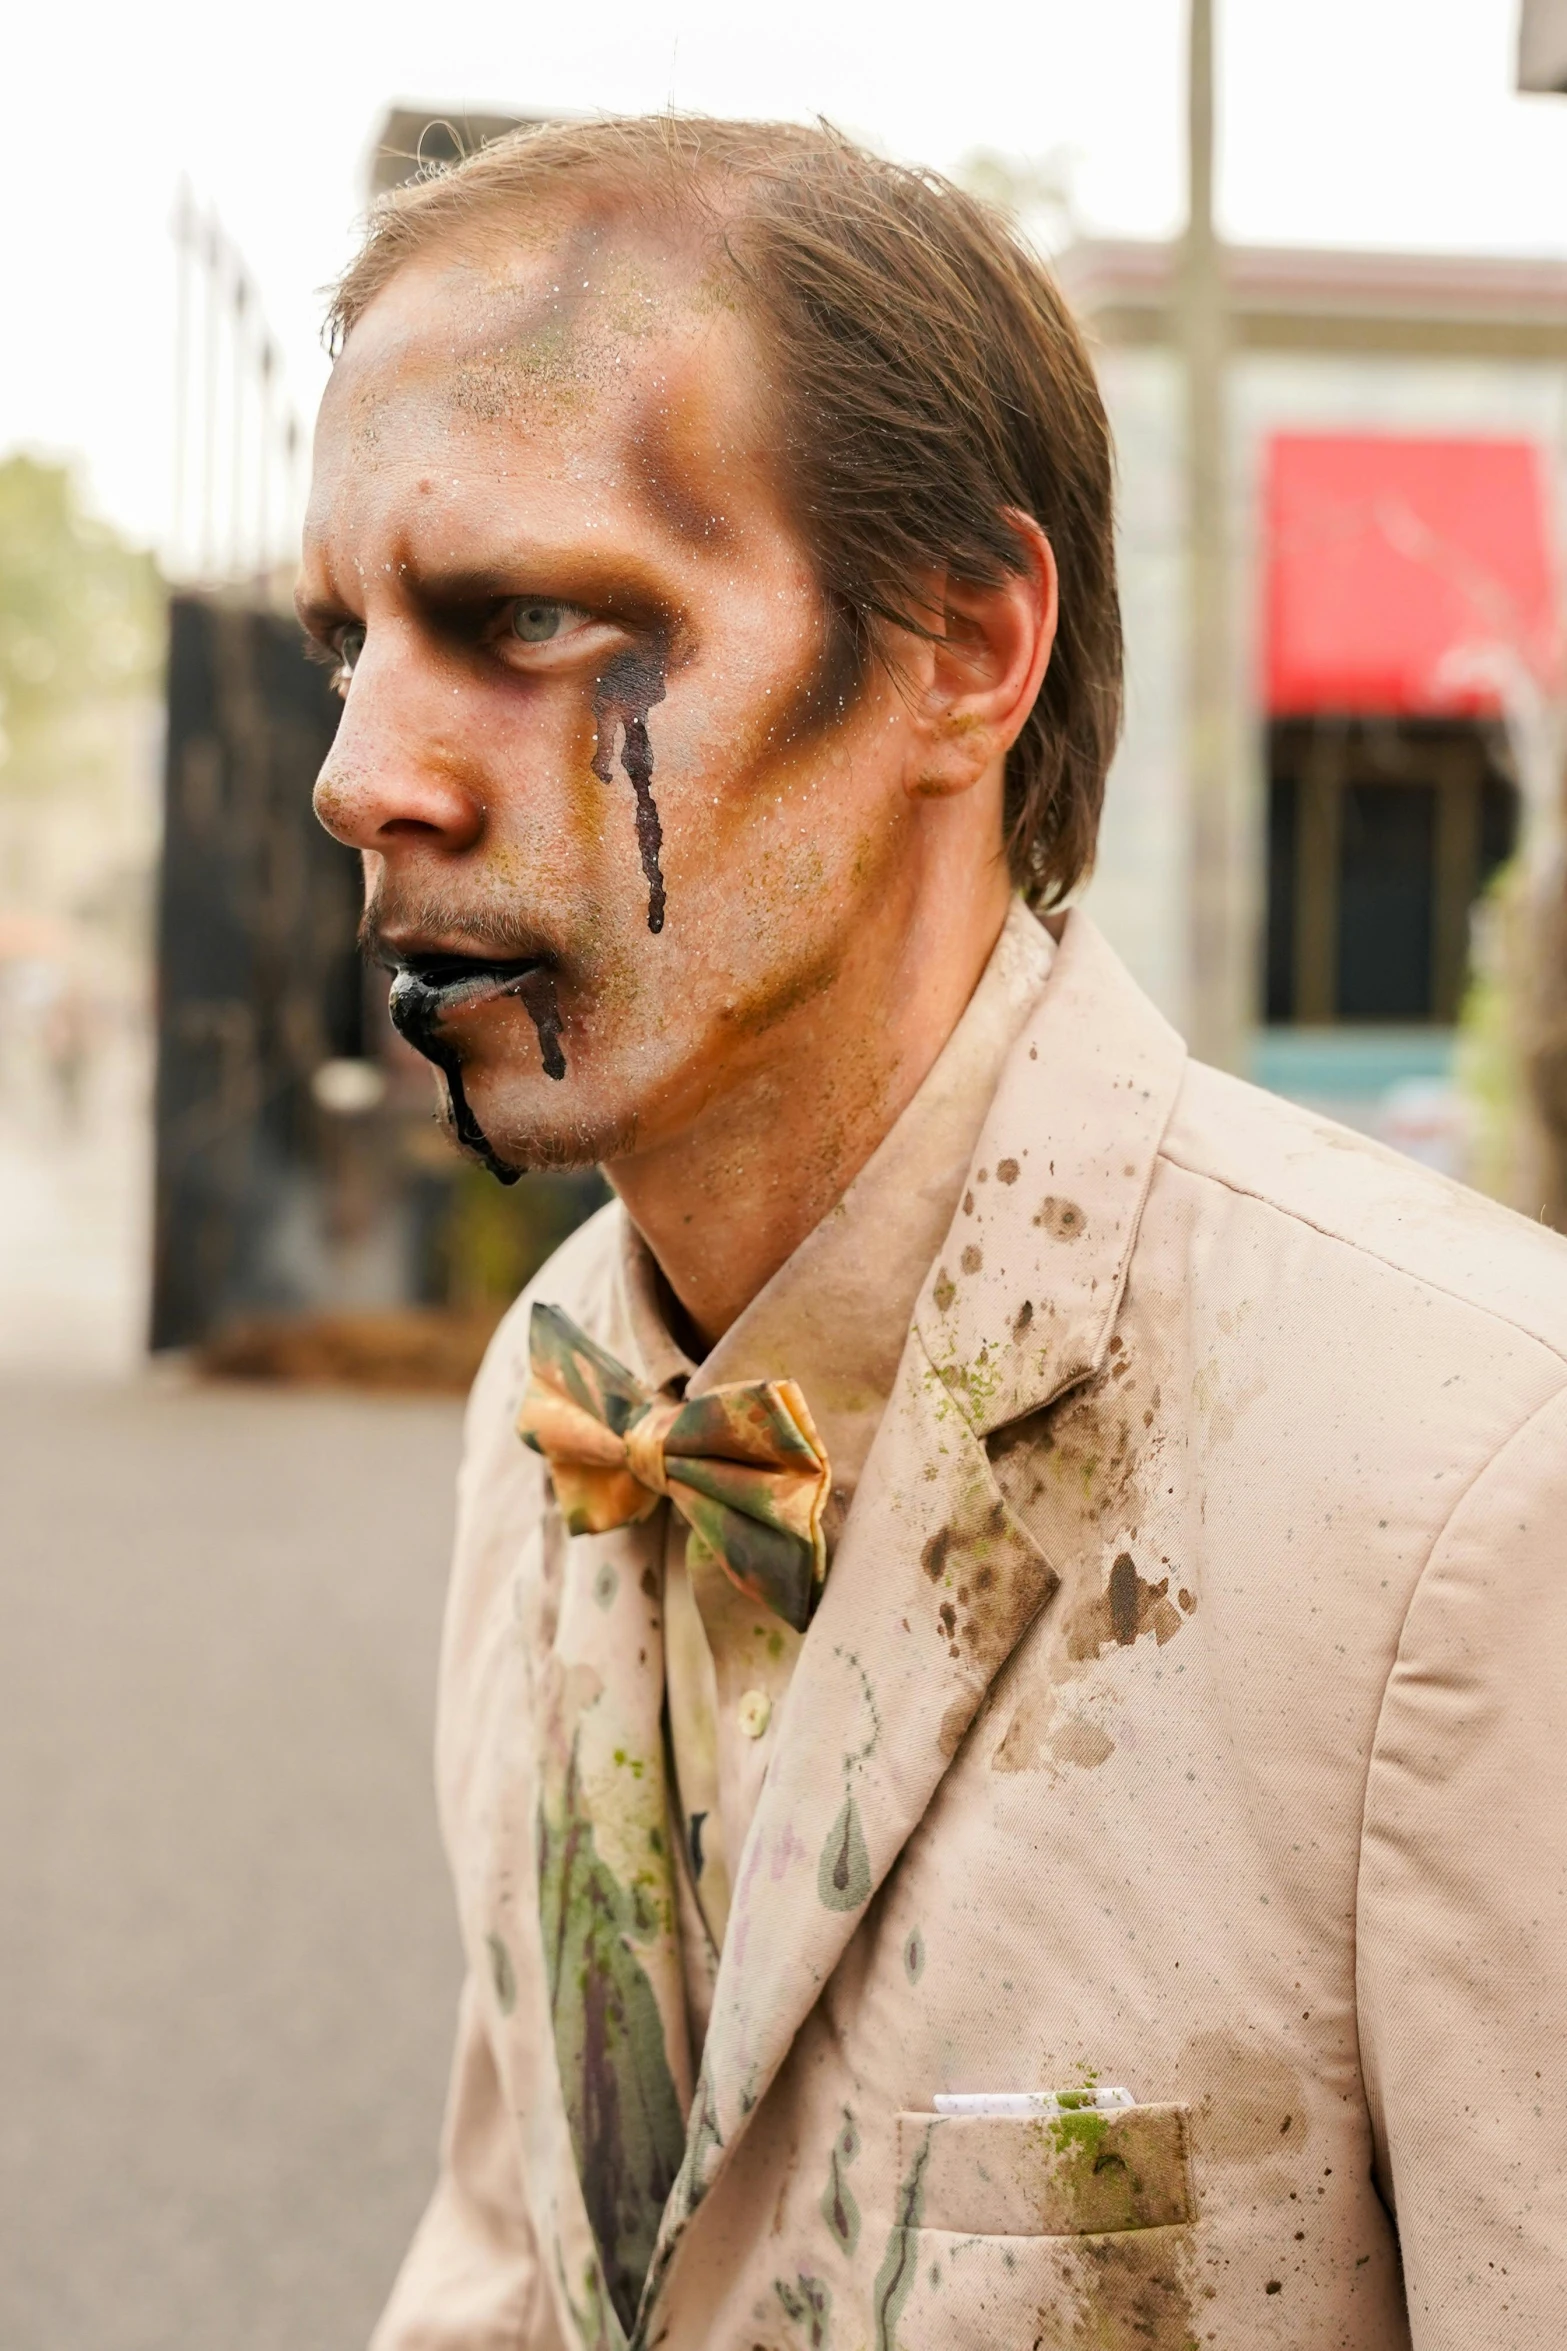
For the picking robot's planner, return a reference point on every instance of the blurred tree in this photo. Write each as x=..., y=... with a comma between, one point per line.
x=81, y=618
x=1512, y=1061
x=1036, y=191
x=81, y=651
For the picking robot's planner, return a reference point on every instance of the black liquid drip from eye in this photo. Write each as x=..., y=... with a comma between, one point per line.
x=416, y=1007
x=625, y=693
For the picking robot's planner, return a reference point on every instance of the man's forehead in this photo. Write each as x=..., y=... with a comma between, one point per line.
x=580, y=343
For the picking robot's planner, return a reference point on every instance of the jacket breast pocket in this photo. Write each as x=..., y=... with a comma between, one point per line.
x=1080, y=2173
x=1060, y=2228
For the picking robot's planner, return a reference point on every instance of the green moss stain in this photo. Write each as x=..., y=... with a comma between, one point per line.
x=1077, y=2134
x=974, y=1386
x=502, y=1974
x=838, y=2207
x=807, y=2301
x=597, y=2327
x=896, y=2274
x=843, y=1875
x=704, y=2145
x=621, y=2104
x=1118, y=2173
x=706, y=2142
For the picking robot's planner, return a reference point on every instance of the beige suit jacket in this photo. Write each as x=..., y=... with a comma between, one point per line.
x=1186, y=1709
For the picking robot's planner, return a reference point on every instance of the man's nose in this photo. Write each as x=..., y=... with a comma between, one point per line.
x=387, y=779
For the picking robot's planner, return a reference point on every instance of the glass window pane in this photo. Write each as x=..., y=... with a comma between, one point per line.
x=1386, y=881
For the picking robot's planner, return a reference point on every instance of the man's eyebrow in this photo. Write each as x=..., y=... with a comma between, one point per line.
x=455, y=587
x=582, y=574
x=318, y=616
x=622, y=583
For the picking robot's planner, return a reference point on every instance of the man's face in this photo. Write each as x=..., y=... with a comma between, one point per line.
x=622, y=818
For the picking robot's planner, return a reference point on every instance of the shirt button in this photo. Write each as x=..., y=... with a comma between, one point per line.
x=755, y=1713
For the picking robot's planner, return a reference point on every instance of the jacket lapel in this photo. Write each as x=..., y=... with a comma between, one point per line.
x=607, y=1907
x=1020, y=1303
x=935, y=1581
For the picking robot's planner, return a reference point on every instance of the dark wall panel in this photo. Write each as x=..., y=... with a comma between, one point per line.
x=258, y=975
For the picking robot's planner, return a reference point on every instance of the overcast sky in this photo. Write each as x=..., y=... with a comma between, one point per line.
x=1371, y=122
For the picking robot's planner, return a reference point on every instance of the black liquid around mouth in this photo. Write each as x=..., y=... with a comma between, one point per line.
x=624, y=695
x=422, y=993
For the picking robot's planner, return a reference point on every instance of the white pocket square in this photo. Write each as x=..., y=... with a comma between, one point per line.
x=1022, y=2104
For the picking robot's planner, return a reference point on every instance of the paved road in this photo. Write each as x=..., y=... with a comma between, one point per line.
x=227, y=1962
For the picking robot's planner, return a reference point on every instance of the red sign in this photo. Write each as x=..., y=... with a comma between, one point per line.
x=1406, y=577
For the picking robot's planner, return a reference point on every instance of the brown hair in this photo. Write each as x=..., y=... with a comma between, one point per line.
x=928, y=374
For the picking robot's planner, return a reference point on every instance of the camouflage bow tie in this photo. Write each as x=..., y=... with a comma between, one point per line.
x=743, y=1464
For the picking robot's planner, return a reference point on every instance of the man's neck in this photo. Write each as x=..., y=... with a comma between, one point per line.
x=727, y=1200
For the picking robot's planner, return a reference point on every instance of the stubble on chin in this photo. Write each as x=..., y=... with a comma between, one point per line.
x=567, y=1143
x=545, y=1125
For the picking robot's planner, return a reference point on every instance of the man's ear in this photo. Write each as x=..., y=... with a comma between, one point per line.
x=972, y=685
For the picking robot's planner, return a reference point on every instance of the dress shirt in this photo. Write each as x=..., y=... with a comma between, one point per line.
x=834, y=1317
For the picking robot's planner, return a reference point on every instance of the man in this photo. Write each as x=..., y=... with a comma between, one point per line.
x=1004, y=1675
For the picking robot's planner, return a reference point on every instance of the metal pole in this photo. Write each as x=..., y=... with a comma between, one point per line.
x=1219, y=978
x=295, y=460
x=212, y=322
x=237, y=390
x=265, y=453
x=184, y=237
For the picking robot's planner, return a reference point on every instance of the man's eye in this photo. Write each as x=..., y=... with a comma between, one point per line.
x=538, y=620
x=347, y=647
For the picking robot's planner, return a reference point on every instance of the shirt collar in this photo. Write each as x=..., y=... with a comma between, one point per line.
x=836, y=1314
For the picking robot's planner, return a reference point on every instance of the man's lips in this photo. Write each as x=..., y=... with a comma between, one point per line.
x=426, y=989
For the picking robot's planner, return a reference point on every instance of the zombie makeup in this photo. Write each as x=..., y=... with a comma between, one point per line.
x=539, y=999
x=624, y=694
x=424, y=992
x=581, y=658
x=427, y=990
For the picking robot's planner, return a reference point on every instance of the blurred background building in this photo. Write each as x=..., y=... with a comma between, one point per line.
x=1394, y=438
x=210, y=1135
x=1384, y=490
x=310, y=1216
x=1341, y=483
x=1397, y=433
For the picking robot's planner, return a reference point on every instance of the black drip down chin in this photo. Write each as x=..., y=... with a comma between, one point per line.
x=422, y=994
